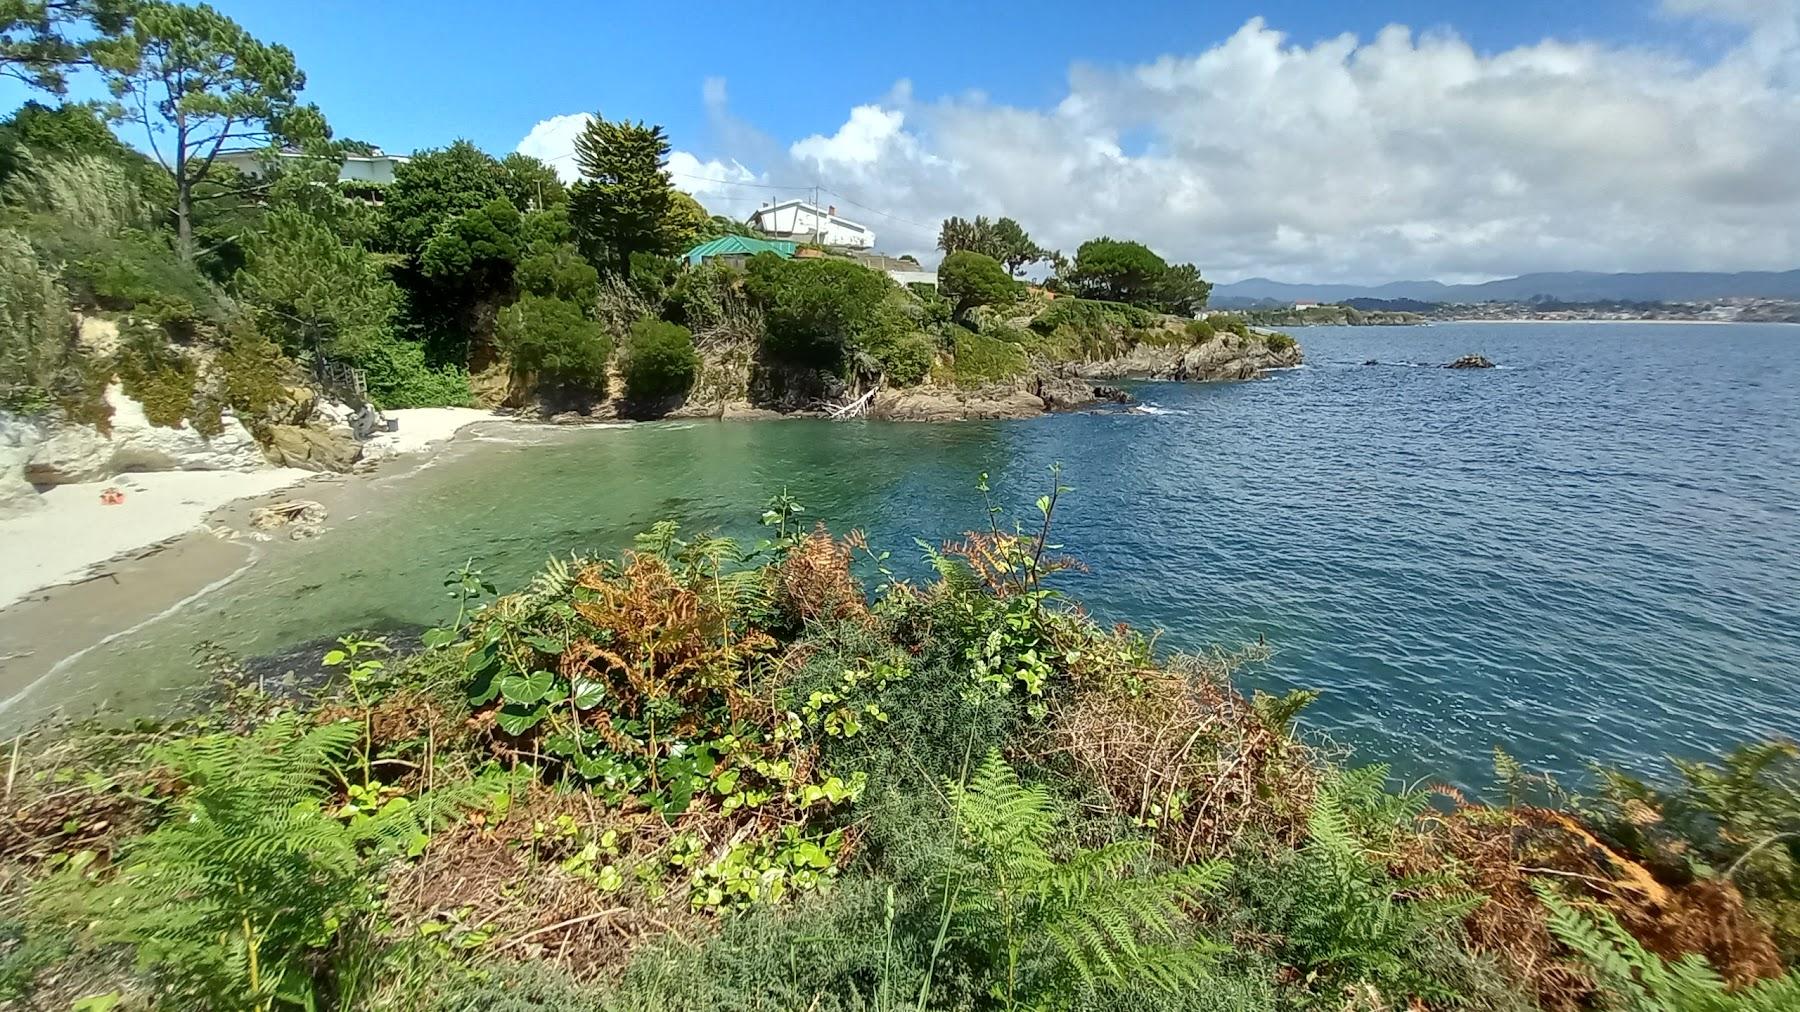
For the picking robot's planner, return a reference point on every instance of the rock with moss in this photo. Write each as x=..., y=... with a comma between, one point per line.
x=75, y=453
x=312, y=448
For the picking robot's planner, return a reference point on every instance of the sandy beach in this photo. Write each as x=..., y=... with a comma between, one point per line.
x=74, y=534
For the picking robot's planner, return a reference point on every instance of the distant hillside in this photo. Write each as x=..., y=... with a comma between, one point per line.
x=1564, y=286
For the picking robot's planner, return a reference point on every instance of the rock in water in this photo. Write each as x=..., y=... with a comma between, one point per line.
x=313, y=448
x=305, y=517
x=1470, y=362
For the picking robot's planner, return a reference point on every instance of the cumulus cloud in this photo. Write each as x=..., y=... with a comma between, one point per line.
x=553, y=141
x=1401, y=155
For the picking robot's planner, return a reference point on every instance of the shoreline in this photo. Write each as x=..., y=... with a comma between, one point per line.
x=72, y=537
x=164, y=559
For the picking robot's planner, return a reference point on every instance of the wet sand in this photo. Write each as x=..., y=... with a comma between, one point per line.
x=47, y=629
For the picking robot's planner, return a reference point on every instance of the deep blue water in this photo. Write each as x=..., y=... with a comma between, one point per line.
x=1587, y=554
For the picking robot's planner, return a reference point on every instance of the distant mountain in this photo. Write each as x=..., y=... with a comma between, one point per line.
x=1564, y=286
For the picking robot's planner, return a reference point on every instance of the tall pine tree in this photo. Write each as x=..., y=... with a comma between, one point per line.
x=619, y=206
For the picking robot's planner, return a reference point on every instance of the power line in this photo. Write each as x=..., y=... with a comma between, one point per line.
x=876, y=210
x=782, y=186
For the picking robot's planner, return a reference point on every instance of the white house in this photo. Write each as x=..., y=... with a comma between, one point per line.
x=800, y=221
x=374, y=168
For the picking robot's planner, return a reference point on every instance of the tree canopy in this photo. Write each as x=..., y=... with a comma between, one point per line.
x=1130, y=272
x=41, y=39
x=1004, y=240
x=199, y=81
x=620, y=206
x=971, y=279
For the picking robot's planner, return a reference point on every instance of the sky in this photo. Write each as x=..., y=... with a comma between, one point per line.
x=1305, y=140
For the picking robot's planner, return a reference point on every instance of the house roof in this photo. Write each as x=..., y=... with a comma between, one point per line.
x=742, y=245
x=807, y=205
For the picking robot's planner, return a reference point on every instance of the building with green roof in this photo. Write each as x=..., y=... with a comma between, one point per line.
x=737, y=249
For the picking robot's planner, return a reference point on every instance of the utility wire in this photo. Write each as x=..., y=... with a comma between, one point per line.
x=782, y=186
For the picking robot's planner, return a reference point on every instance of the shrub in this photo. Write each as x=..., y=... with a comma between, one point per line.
x=893, y=340
x=1198, y=331
x=250, y=889
x=1229, y=323
x=399, y=377
x=969, y=279
x=1278, y=342
x=815, y=309
x=979, y=359
x=552, y=341
x=1043, y=927
x=659, y=360
x=162, y=378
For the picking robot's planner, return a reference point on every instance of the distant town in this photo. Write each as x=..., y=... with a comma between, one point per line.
x=1364, y=312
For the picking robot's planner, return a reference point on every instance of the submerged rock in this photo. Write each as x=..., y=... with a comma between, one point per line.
x=1470, y=362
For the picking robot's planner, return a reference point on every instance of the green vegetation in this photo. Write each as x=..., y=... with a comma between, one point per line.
x=709, y=775
x=551, y=342
x=1003, y=240
x=979, y=359
x=620, y=206
x=659, y=361
x=970, y=279
x=1129, y=272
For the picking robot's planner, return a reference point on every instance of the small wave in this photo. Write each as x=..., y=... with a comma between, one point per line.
x=1151, y=409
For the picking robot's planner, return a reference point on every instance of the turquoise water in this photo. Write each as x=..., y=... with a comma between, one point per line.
x=1588, y=554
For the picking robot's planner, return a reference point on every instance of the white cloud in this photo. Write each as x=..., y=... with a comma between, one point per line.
x=1401, y=155
x=553, y=140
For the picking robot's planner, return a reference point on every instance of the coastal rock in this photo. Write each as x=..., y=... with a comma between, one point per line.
x=75, y=453
x=304, y=518
x=19, y=437
x=1024, y=396
x=1225, y=357
x=1470, y=362
x=313, y=448
x=295, y=406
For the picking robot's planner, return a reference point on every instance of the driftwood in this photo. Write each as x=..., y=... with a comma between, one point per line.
x=856, y=408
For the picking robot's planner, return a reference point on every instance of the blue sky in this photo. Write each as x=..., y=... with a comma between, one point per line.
x=1301, y=139
x=407, y=74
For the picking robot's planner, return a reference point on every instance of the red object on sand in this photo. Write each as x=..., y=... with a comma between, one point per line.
x=111, y=497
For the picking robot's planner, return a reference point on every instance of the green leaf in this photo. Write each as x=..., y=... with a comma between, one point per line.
x=334, y=658
x=517, y=720
x=435, y=638
x=527, y=689
x=545, y=644
x=482, y=666
x=589, y=693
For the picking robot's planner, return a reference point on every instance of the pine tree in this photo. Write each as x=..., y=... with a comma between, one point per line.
x=620, y=206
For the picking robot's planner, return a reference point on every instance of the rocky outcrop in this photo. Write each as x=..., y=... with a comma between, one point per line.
x=1470, y=362
x=75, y=453
x=1022, y=397
x=313, y=448
x=1225, y=357
x=19, y=438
